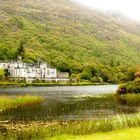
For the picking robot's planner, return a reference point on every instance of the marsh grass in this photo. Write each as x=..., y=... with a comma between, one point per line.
x=8, y=102
x=129, y=99
x=42, y=130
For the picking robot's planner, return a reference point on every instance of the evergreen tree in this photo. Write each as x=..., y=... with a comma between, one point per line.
x=21, y=49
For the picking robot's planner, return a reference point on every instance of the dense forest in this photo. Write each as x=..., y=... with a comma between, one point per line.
x=88, y=44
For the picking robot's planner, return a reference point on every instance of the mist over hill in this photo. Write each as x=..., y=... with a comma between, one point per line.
x=66, y=34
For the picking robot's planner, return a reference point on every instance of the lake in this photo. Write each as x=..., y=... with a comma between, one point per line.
x=67, y=103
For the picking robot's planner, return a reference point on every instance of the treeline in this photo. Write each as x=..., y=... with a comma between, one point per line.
x=108, y=74
x=94, y=74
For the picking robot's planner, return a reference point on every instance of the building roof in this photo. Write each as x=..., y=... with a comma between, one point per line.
x=1, y=61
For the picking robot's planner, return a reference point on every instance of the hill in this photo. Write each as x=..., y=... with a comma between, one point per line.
x=66, y=34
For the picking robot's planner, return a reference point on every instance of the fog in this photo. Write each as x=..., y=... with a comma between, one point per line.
x=129, y=8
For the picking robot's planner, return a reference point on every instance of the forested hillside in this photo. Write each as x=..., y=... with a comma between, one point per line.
x=67, y=35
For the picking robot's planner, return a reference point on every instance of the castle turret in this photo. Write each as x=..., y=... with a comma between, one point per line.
x=19, y=59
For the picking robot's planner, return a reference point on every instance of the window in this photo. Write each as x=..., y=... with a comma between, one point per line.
x=48, y=72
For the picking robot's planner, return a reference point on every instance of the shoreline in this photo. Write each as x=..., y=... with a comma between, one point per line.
x=12, y=84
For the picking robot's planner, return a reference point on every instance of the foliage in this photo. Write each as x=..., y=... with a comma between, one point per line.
x=130, y=74
x=45, y=130
x=21, y=50
x=2, y=75
x=97, y=79
x=7, y=102
x=91, y=73
x=128, y=99
x=130, y=87
x=71, y=42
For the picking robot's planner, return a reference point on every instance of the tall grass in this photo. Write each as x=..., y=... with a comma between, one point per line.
x=129, y=99
x=42, y=130
x=8, y=102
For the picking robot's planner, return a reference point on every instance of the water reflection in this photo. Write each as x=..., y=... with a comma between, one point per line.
x=82, y=108
x=68, y=103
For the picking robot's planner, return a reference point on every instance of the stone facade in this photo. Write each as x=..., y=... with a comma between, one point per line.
x=4, y=65
x=18, y=69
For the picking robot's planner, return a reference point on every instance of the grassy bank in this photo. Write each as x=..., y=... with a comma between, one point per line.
x=127, y=134
x=47, y=130
x=128, y=99
x=8, y=102
x=15, y=84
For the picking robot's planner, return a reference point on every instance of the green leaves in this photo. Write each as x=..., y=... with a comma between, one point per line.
x=67, y=40
x=2, y=75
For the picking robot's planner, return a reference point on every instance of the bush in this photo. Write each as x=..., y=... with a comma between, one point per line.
x=2, y=75
x=97, y=79
x=122, y=89
x=86, y=75
x=130, y=87
x=36, y=80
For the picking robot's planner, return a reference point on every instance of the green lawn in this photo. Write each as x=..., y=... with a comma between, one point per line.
x=127, y=134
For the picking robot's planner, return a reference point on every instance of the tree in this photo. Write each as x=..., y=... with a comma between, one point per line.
x=2, y=75
x=86, y=75
x=21, y=49
x=97, y=79
x=130, y=75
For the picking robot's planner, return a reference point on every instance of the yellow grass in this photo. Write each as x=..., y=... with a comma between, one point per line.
x=127, y=134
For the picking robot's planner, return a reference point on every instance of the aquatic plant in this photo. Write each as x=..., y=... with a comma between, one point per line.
x=8, y=102
x=43, y=130
x=128, y=99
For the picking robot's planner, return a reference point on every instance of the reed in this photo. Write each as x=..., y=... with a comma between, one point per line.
x=44, y=130
x=129, y=99
x=8, y=102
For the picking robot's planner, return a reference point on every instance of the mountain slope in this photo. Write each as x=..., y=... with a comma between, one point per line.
x=65, y=34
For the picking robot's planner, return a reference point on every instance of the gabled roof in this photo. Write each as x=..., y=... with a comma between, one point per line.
x=1, y=61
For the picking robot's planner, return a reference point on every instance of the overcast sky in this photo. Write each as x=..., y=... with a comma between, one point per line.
x=130, y=8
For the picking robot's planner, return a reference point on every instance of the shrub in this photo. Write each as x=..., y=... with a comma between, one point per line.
x=2, y=75
x=130, y=87
x=97, y=79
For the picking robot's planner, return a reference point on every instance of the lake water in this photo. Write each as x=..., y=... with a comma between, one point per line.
x=67, y=103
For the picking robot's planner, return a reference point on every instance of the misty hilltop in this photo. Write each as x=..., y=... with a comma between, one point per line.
x=66, y=34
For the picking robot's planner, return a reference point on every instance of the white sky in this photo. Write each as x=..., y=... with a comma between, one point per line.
x=129, y=8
